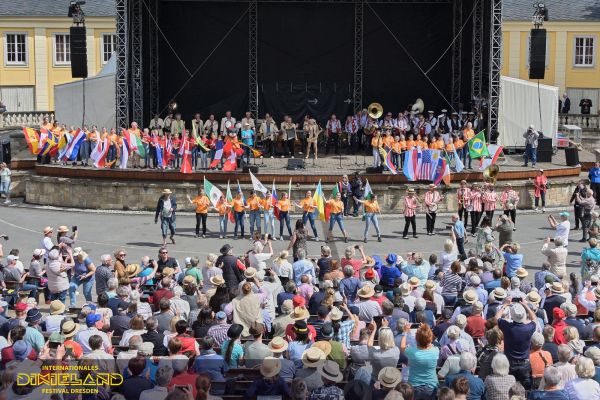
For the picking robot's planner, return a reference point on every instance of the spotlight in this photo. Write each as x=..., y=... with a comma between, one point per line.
x=76, y=12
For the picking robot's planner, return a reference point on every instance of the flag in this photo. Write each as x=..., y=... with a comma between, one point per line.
x=213, y=192
x=477, y=146
x=386, y=156
x=99, y=153
x=186, y=162
x=256, y=153
x=239, y=189
x=290, y=190
x=274, y=200
x=408, y=168
x=319, y=198
x=159, y=153
x=495, y=152
x=427, y=164
x=218, y=154
x=75, y=144
x=49, y=143
x=229, y=152
x=32, y=138
x=124, y=153
x=229, y=197
x=136, y=144
x=442, y=171
x=458, y=165
x=202, y=146
x=256, y=185
x=61, y=147
x=368, y=191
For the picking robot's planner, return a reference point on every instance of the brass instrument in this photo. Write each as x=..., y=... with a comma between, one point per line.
x=491, y=173
x=173, y=106
x=418, y=107
x=375, y=110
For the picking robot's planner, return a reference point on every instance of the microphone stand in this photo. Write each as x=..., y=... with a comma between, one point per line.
x=340, y=158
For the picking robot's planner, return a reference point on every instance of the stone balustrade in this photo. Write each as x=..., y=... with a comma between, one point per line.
x=27, y=118
x=590, y=121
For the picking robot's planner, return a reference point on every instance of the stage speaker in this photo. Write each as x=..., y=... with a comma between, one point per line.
x=572, y=156
x=78, y=52
x=375, y=170
x=251, y=168
x=295, y=163
x=544, y=144
x=5, y=152
x=537, y=54
x=544, y=156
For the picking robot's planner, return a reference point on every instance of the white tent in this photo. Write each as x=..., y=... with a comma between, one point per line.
x=520, y=107
x=100, y=100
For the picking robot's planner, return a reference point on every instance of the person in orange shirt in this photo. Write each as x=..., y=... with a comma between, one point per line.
x=268, y=214
x=202, y=202
x=283, y=205
x=419, y=142
x=468, y=134
x=135, y=157
x=223, y=209
x=410, y=143
x=376, y=143
x=309, y=206
x=254, y=203
x=239, y=209
x=388, y=139
x=371, y=210
x=438, y=143
x=176, y=157
x=396, y=152
x=336, y=214
x=458, y=145
x=111, y=156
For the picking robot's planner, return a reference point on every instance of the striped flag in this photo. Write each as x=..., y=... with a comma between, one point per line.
x=319, y=198
x=229, y=197
x=426, y=166
x=274, y=200
x=75, y=144
x=218, y=154
x=386, y=156
x=99, y=153
x=124, y=153
x=495, y=152
x=32, y=138
x=186, y=162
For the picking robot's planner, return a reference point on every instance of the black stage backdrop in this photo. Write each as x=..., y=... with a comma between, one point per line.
x=305, y=59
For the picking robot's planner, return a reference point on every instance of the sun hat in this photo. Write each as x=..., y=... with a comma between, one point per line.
x=389, y=377
x=21, y=349
x=324, y=346
x=132, y=270
x=298, y=301
x=56, y=337
x=270, y=367
x=57, y=307
x=225, y=248
x=188, y=280
x=405, y=289
x=414, y=281
x=250, y=273
x=335, y=314
x=166, y=191
x=278, y=345
x=217, y=280
x=33, y=315
x=477, y=306
x=47, y=230
x=330, y=370
x=470, y=296
x=21, y=307
x=370, y=261
x=533, y=297
x=313, y=357
x=556, y=287
x=499, y=293
x=391, y=259
x=564, y=214
x=522, y=272
x=122, y=306
x=11, y=258
x=327, y=330
x=370, y=274
x=69, y=328
x=410, y=190
x=517, y=312
x=76, y=251
x=39, y=252
x=366, y=292
x=475, y=280
x=299, y=314
x=63, y=229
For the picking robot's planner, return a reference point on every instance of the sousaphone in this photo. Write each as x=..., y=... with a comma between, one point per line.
x=491, y=173
x=375, y=110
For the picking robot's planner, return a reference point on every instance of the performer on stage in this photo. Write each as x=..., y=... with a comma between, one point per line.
x=227, y=124
x=283, y=205
x=157, y=123
x=255, y=203
x=476, y=207
x=268, y=214
x=432, y=200
x=464, y=201
x=351, y=128
x=489, y=198
x=223, y=209
x=336, y=214
x=468, y=134
x=202, y=202
x=371, y=207
x=268, y=134
x=288, y=128
x=177, y=126
x=312, y=137
x=309, y=205
x=362, y=118
x=248, y=141
x=541, y=186
x=211, y=126
x=197, y=125
x=334, y=128
x=165, y=209
x=167, y=123
x=376, y=143
x=510, y=200
x=410, y=210
x=249, y=120
x=239, y=210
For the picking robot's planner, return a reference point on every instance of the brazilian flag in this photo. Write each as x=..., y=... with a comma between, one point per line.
x=477, y=146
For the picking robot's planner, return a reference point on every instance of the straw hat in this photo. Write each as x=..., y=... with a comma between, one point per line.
x=57, y=307
x=324, y=346
x=299, y=313
x=188, y=280
x=414, y=281
x=405, y=289
x=522, y=272
x=69, y=328
x=217, y=280
x=133, y=270
x=370, y=262
x=250, y=273
x=470, y=296
x=330, y=370
x=499, y=293
x=278, y=345
x=335, y=314
x=48, y=229
x=597, y=292
x=63, y=229
x=389, y=377
x=167, y=191
x=533, y=297
x=270, y=367
x=429, y=284
x=313, y=357
x=556, y=287
x=410, y=191
x=366, y=292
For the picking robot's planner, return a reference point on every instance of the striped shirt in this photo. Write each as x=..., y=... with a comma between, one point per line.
x=410, y=206
x=475, y=199
x=431, y=200
x=463, y=196
x=451, y=283
x=509, y=195
x=489, y=200
x=218, y=332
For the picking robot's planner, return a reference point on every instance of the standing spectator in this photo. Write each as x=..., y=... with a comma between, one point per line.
x=5, y=177
x=557, y=257
x=538, y=358
x=531, y=143
x=58, y=280
x=540, y=184
x=594, y=177
x=468, y=364
x=422, y=361
x=165, y=209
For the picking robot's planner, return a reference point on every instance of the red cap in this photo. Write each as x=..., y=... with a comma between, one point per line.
x=558, y=313
x=370, y=274
x=20, y=307
x=298, y=301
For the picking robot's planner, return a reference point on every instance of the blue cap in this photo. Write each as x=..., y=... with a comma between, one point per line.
x=564, y=214
x=90, y=306
x=391, y=259
x=91, y=319
x=221, y=315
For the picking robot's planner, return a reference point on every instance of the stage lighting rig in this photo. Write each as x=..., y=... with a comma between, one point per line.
x=76, y=12
x=540, y=14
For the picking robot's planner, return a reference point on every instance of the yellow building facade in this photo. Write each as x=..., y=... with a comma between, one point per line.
x=36, y=56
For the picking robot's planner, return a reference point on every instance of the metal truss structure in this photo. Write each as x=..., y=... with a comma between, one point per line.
x=477, y=51
x=137, y=73
x=122, y=91
x=495, y=64
x=153, y=61
x=457, y=22
x=253, y=57
x=357, y=89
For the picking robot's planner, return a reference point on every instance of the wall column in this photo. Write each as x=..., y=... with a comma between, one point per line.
x=41, y=49
x=560, y=62
x=514, y=57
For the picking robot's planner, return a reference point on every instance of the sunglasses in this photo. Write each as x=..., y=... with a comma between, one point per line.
x=122, y=255
x=163, y=252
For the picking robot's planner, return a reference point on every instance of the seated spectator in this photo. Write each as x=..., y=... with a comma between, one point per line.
x=387, y=380
x=549, y=344
x=331, y=375
x=538, y=358
x=135, y=384
x=452, y=363
x=499, y=382
x=231, y=349
x=163, y=376
x=474, y=385
x=584, y=386
x=209, y=362
x=311, y=359
x=255, y=350
x=495, y=342
x=460, y=386
x=552, y=389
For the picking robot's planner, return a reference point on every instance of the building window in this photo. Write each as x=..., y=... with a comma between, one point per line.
x=109, y=45
x=584, y=51
x=62, y=49
x=15, y=49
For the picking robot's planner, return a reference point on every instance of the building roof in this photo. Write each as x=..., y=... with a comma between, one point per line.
x=55, y=8
x=559, y=10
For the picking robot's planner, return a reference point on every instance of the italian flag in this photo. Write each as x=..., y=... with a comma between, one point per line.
x=213, y=192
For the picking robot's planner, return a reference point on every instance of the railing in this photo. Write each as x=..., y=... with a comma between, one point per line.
x=589, y=121
x=27, y=118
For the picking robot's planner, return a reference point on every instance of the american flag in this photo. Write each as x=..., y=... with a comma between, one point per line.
x=427, y=166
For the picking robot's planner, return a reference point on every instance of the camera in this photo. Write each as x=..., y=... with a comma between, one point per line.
x=74, y=228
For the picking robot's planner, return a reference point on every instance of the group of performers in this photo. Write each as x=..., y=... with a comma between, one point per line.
x=267, y=137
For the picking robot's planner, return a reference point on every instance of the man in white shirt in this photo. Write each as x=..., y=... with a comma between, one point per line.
x=46, y=242
x=557, y=257
x=227, y=123
x=563, y=228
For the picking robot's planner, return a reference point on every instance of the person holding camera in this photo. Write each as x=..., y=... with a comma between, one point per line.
x=531, y=144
